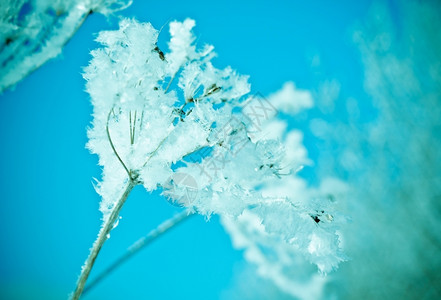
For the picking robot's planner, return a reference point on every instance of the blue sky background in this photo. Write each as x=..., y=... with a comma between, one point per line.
x=49, y=210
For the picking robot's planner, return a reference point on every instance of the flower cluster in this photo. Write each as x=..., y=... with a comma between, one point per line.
x=172, y=121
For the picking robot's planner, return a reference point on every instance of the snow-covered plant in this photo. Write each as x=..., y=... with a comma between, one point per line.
x=394, y=161
x=172, y=121
x=32, y=32
x=258, y=230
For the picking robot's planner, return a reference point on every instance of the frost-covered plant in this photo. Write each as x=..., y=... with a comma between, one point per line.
x=172, y=121
x=389, y=155
x=284, y=263
x=397, y=249
x=32, y=32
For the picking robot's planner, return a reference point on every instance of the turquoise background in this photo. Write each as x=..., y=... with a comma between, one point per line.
x=49, y=214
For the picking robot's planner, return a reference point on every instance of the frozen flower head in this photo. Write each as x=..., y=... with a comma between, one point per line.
x=143, y=122
x=170, y=120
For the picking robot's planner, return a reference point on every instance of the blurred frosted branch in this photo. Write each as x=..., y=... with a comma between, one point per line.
x=141, y=244
x=32, y=32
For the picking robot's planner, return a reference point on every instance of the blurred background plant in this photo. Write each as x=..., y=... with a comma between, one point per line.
x=392, y=163
x=34, y=31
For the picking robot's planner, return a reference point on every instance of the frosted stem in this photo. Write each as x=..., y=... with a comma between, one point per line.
x=102, y=237
x=140, y=244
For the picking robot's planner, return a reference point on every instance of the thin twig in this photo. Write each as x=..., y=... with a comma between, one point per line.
x=113, y=146
x=170, y=82
x=139, y=245
x=102, y=237
x=131, y=131
x=134, y=128
x=142, y=120
x=156, y=150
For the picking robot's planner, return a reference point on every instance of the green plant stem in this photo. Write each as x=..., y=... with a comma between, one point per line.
x=140, y=244
x=102, y=237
